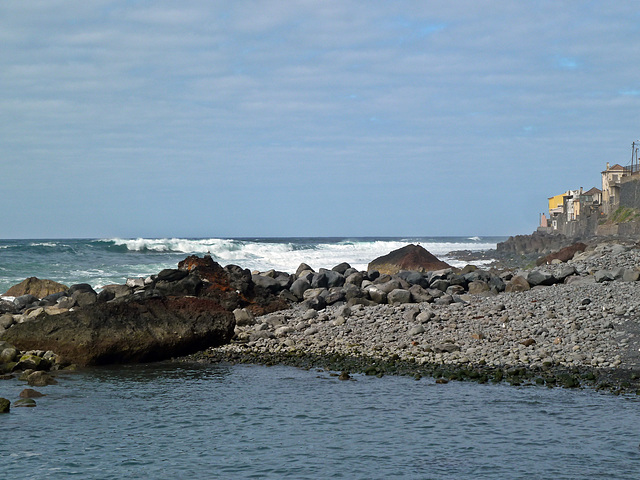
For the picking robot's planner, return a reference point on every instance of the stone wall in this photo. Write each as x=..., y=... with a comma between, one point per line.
x=630, y=193
x=584, y=226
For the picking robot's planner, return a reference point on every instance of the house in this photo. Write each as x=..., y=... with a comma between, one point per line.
x=611, y=179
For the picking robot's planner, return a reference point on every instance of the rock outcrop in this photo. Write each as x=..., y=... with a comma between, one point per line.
x=536, y=243
x=410, y=258
x=36, y=287
x=128, y=330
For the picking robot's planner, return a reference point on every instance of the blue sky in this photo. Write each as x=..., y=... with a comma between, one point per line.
x=308, y=118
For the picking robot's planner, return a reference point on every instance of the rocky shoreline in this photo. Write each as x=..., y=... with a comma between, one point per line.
x=582, y=330
x=567, y=323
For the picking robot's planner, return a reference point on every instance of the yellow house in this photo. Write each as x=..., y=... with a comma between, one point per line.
x=556, y=203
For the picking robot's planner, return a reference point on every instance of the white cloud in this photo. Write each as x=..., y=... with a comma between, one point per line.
x=397, y=91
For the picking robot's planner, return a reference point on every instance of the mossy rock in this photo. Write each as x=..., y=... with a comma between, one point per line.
x=5, y=405
x=568, y=381
x=25, y=402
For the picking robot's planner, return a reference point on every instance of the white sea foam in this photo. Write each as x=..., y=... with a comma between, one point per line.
x=287, y=255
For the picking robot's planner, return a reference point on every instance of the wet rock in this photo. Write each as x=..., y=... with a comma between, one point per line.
x=133, y=330
x=33, y=362
x=8, y=354
x=30, y=393
x=5, y=405
x=40, y=379
x=25, y=402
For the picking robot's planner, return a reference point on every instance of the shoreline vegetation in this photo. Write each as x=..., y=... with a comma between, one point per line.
x=570, y=323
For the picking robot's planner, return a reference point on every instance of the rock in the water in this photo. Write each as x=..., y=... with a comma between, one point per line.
x=30, y=393
x=36, y=287
x=40, y=379
x=411, y=257
x=5, y=405
x=131, y=330
x=25, y=402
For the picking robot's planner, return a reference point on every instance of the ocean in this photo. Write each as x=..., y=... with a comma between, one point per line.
x=171, y=420
x=101, y=262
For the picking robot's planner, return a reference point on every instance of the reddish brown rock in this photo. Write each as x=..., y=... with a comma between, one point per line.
x=231, y=286
x=410, y=257
x=36, y=287
x=564, y=255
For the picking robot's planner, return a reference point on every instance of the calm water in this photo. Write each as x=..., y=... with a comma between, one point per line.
x=184, y=421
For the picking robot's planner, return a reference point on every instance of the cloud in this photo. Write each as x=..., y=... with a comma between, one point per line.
x=253, y=95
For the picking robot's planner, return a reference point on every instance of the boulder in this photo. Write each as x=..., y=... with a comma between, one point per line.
x=355, y=278
x=604, y=276
x=399, y=296
x=5, y=405
x=30, y=393
x=341, y=268
x=377, y=295
x=36, y=287
x=268, y=283
x=303, y=268
x=411, y=257
x=40, y=379
x=25, y=300
x=128, y=330
x=299, y=287
x=171, y=275
x=478, y=287
x=564, y=255
x=517, y=284
x=538, y=277
x=25, y=402
x=419, y=294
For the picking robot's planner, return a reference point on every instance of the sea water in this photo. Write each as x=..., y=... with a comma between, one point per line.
x=170, y=420
x=101, y=262
x=184, y=421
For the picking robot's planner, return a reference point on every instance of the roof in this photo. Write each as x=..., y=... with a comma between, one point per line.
x=593, y=191
x=616, y=168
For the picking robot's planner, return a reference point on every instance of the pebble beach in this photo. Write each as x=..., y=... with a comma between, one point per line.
x=580, y=332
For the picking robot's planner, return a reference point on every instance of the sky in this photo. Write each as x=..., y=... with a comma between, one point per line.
x=308, y=118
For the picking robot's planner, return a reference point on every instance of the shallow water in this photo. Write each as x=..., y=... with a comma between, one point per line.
x=195, y=421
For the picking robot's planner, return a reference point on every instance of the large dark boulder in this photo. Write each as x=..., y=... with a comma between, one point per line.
x=127, y=330
x=410, y=257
